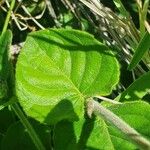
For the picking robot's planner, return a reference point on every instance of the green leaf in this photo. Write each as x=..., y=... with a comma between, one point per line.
x=64, y=136
x=142, y=48
x=96, y=134
x=89, y=134
x=58, y=69
x=136, y=114
x=138, y=89
x=17, y=137
x=5, y=41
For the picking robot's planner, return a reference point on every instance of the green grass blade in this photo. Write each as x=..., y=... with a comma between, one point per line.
x=143, y=46
x=121, y=8
x=145, y=8
x=143, y=16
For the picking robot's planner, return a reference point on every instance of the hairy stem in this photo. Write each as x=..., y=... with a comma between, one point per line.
x=99, y=110
x=28, y=126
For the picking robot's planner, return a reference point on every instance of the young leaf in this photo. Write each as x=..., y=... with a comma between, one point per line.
x=57, y=69
x=138, y=89
x=5, y=41
x=143, y=46
x=97, y=134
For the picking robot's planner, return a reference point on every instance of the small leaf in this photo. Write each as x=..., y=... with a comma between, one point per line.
x=58, y=69
x=143, y=47
x=5, y=41
x=138, y=89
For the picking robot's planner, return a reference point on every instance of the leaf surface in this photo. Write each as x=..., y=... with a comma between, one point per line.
x=97, y=134
x=136, y=114
x=87, y=134
x=57, y=69
x=5, y=41
x=138, y=89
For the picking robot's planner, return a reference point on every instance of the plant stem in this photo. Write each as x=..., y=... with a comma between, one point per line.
x=99, y=110
x=10, y=102
x=8, y=16
x=108, y=100
x=28, y=126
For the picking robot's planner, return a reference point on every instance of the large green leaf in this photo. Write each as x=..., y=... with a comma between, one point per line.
x=58, y=69
x=100, y=135
x=138, y=89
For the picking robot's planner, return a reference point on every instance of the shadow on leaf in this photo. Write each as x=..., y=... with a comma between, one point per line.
x=63, y=110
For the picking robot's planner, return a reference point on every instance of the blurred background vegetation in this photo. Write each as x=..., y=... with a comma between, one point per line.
x=56, y=13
